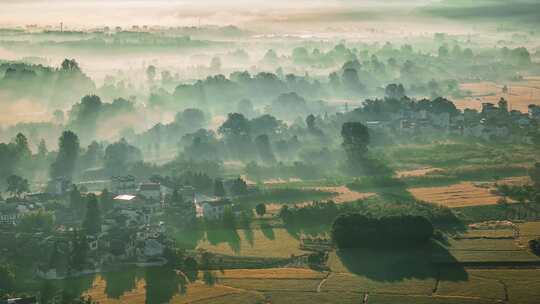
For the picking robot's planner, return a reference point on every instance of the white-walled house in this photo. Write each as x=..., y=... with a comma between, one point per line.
x=210, y=207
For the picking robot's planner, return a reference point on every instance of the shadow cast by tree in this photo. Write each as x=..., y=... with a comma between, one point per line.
x=229, y=236
x=393, y=265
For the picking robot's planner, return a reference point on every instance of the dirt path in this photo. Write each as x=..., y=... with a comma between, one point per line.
x=344, y=194
x=323, y=281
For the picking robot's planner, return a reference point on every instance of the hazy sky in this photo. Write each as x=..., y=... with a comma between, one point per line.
x=82, y=13
x=176, y=12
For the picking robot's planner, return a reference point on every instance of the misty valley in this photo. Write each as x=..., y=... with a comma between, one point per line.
x=248, y=152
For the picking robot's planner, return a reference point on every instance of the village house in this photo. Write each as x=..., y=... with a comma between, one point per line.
x=59, y=186
x=11, y=213
x=210, y=207
x=151, y=191
x=123, y=184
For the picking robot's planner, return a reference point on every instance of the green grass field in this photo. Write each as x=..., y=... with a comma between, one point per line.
x=284, y=196
x=287, y=297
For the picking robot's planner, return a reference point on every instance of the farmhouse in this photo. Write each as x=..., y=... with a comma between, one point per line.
x=11, y=213
x=210, y=207
x=151, y=191
x=124, y=184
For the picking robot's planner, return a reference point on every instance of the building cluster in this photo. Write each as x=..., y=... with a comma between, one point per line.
x=491, y=123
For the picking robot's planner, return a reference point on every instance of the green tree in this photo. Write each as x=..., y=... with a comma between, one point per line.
x=239, y=187
x=151, y=73
x=42, y=149
x=58, y=259
x=17, y=185
x=37, y=222
x=75, y=198
x=106, y=200
x=262, y=142
x=21, y=145
x=355, y=141
x=219, y=190
x=228, y=218
x=176, y=198
x=86, y=116
x=70, y=65
x=119, y=155
x=79, y=251
x=92, y=219
x=237, y=134
x=68, y=153
x=7, y=281
x=260, y=209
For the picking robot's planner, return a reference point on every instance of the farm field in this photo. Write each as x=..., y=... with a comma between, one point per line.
x=414, y=299
x=416, y=172
x=195, y=292
x=522, y=285
x=271, y=242
x=457, y=195
x=272, y=273
x=342, y=194
x=520, y=95
x=286, y=297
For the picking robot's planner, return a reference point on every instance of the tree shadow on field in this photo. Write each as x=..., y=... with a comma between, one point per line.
x=162, y=284
x=120, y=282
x=376, y=176
x=249, y=236
x=188, y=239
x=268, y=232
x=394, y=265
x=229, y=236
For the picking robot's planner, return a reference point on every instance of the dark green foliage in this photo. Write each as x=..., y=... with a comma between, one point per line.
x=260, y=209
x=7, y=280
x=68, y=153
x=209, y=278
x=119, y=155
x=177, y=198
x=106, y=200
x=239, y=187
x=355, y=230
x=355, y=141
x=79, y=252
x=219, y=190
x=237, y=135
x=85, y=116
x=36, y=222
x=92, y=219
x=8, y=160
x=315, y=213
x=75, y=198
x=317, y=259
x=534, y=246
x=17, y=185
x=228, y=219
x=162, y=284
x=191, y=268
x=262, y=142
x=394, y=91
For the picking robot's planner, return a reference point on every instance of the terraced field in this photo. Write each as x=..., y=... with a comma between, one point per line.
x=458, y=195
